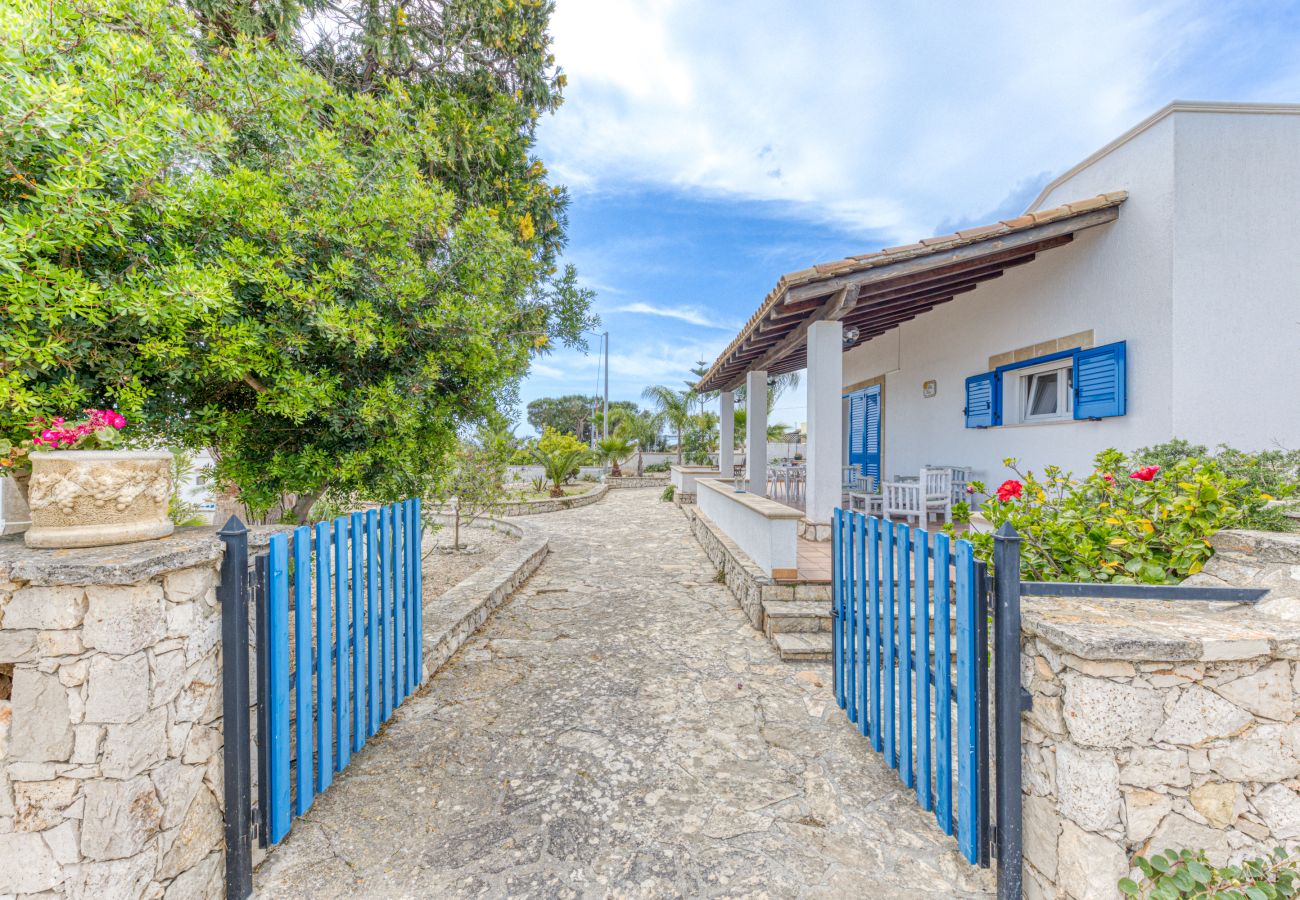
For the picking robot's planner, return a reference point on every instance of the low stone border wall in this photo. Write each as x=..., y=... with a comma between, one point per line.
x=743, y=577
x=637, y=481
x=450, y=620
x=1155, y=725
x=535, y=507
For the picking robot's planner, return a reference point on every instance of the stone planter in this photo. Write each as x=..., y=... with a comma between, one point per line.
x=93, y=498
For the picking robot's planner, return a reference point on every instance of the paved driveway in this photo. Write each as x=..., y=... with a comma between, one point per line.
x=619, y=729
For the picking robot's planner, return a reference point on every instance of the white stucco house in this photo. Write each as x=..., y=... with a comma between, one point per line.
x=1151, y=291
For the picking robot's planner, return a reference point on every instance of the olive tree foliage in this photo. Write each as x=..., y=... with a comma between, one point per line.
x=235, y=253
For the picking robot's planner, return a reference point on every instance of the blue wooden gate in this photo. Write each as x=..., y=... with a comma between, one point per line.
x=911, y=664
x=339, y=648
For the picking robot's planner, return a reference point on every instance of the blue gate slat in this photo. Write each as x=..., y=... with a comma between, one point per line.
x=324, y=680
x=277, y=630
x=342, y=649
x=921, y=665
x=399, y=586
x=408, y=587
x=305, y=774
x=889, y=637
x=850, y=624
x=418, y=519
x=358, y=581
x=905, y=676
x=837, y=601
x=386, y=611
x=372, y=618
x=859, y=599
x=943, y=686
x=873, y=600
x=967, y=721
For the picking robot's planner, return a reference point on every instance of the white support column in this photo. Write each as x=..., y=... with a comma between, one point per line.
x=756, y=432
x=825, y=419
x=726, y=433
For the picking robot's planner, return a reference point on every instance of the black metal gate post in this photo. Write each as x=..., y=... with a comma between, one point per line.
x=233, y=595
x=1009, y=705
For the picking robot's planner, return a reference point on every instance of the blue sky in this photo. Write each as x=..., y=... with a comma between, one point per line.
x=711, y=146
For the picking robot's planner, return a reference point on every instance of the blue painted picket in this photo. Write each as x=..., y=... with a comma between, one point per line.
x=363, y=609
x=905, y=673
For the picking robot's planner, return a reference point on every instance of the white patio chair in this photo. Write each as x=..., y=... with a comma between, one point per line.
x=937, y=484
x=961, y=476
x=862, y=495
x=902, y=500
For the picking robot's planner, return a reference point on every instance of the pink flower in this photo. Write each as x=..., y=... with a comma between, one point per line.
x=970, y=489
x=1109, y=477
x=1146, y=473
x=1009, y=489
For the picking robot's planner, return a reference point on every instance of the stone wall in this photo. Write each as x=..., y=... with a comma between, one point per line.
x=1155, y=725
x=637, y=481
x=534, y=507
x=110, y=731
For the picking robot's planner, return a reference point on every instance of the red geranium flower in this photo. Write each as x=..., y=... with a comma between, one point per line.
x=1109, y=477
x=1146, y=473
x=1008, y=489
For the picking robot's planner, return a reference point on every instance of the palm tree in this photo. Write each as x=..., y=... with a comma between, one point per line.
x=642, y=428
x=613, y=450
x=557, y=464
x=674, y=407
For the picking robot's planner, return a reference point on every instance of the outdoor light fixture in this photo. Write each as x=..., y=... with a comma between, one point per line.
x=850, y=335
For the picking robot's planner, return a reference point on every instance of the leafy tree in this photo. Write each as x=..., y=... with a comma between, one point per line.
x=570, y=414
x=474, y=479
x=643, y=428
x=239, y=254
x=673, y=408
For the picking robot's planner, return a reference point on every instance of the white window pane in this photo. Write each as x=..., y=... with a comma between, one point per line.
x=1042, y=394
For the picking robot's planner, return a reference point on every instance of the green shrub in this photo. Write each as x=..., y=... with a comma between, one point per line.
x=1274, y=474
x=1177, y=874
x=656, y=467
x=1148, y=525
x=668, y=493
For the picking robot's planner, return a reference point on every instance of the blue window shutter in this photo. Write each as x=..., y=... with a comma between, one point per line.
x=983, y=405
x=1100, y=382
x=857, y=422
x=871, y=440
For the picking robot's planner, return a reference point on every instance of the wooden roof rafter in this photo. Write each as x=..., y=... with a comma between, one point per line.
x=879, y=291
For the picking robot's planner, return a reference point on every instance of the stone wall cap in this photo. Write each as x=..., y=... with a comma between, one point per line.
x=92, y=455
x=1155, y=630
x=118, y=564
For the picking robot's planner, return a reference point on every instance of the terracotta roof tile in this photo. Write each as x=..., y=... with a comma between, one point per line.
x=1018, y=222
x=982, y=231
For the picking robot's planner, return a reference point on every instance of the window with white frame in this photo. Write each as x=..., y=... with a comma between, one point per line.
x=1046, y=392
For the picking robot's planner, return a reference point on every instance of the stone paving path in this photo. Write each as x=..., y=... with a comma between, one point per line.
x=619, y=730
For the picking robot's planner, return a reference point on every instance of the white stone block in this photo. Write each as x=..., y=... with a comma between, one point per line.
x=39, y=805
x=1089, y=865
x=118, y=689
x=63, y=844
x=1266, y=693
x=117, y=879
x=166, y=677
x=122, y=620
x=1153, y=767
x=135, y=747
x=176, y=784
x=1200, y=716
x=120, y=818
x=200, y=833
x=26, y=864
x=1087, y=786
x=1104, y=713
x=1143, y=811
x=189, y=584
x=45, y=608
x=41, y=730
x=204, y=881
x=1216, y=802
x=1279, y=807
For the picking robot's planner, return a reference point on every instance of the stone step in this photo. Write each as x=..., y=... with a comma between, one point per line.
x=804, y=647
x=796, y=616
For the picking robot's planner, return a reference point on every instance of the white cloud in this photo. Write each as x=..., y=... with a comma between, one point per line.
x=688, y=314
x=870, y=116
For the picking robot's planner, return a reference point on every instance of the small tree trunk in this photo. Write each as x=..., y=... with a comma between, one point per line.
x=302, y=506
x=614, y=469
x=455, y=529
x=679, y=446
